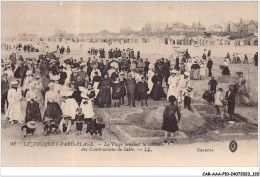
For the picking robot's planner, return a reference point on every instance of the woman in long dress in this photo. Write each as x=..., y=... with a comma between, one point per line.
x=14, y=96
x=157, y=92
x=33, y=112
x=69, y=104
x=150, y=82
x=104, y=96
x=87, y=102
x=53, y=110
x=170, y=123
x=242, y=96
x=173, y=81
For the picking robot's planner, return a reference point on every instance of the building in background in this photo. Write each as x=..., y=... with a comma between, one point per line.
x=198, y=27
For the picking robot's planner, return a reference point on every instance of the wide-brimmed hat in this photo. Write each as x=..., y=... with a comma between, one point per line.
x=56, y=77
x=31, y=124
x=231, y=87
x=15, y=82
x=239, y=73
x=37, y=76
x=47, y=119
x=66, y=116
x=29, y=72
x=75, y=70
x=189, y=89
x=121, y=73
x=100, y=119
x=186, y=73
x=173, y=71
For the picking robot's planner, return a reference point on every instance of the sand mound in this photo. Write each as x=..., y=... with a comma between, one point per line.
x=189, y=121
x=227, y=79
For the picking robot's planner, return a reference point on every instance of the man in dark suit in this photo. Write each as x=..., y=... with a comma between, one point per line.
x=130, y=87
x=231, y=97
x=209, y=66
x=4, y=91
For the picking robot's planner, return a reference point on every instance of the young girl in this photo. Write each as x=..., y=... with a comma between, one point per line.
x=170, y=123
x=65, y=124
x=29, y=128
x=86, y=103
x=79, y=118
x=188, y=94
x=116, y=91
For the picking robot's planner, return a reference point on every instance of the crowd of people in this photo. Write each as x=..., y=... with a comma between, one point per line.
x=69, y=90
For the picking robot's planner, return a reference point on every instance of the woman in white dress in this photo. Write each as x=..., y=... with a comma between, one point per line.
x=86, y=103
x=69, y=104
x=172, y=81
x=150, y=82
x=14, y=96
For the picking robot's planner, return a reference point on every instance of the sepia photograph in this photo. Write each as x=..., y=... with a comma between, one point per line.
x=129, y=84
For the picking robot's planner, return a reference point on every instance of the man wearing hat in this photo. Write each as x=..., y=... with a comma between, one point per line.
x=130, y=87
x=209, y=66
x=231, y=97
x=4, y=91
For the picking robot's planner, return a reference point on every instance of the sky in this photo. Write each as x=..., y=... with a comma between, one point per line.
x=43, y=18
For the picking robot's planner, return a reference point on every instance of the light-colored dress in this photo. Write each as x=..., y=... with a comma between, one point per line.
x=69, y=105
x=202, y=70
x=172, y=81
x=14, y=111
x=87, y=104
x=150, y=82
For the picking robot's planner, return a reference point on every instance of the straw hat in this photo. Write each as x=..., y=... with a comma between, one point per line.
x=47, y=119
x=66, y=116
x=29, y=72
x=56, y=77
x=15, y=82
x=186, y=73
x=189, y=89
x=31, y=124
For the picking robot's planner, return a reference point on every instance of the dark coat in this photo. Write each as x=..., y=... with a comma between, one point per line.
x=130, y=86
x=4, y=86
x=170, y=123
x=141, y=89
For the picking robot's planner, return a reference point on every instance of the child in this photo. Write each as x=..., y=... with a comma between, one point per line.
x=96, y=126
x=219, y=99
x=188, y=94
x=142, y=89
x=50, y=126
x=65, y=124
x=79, y=118
x=29, y=128
x=116, y=91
